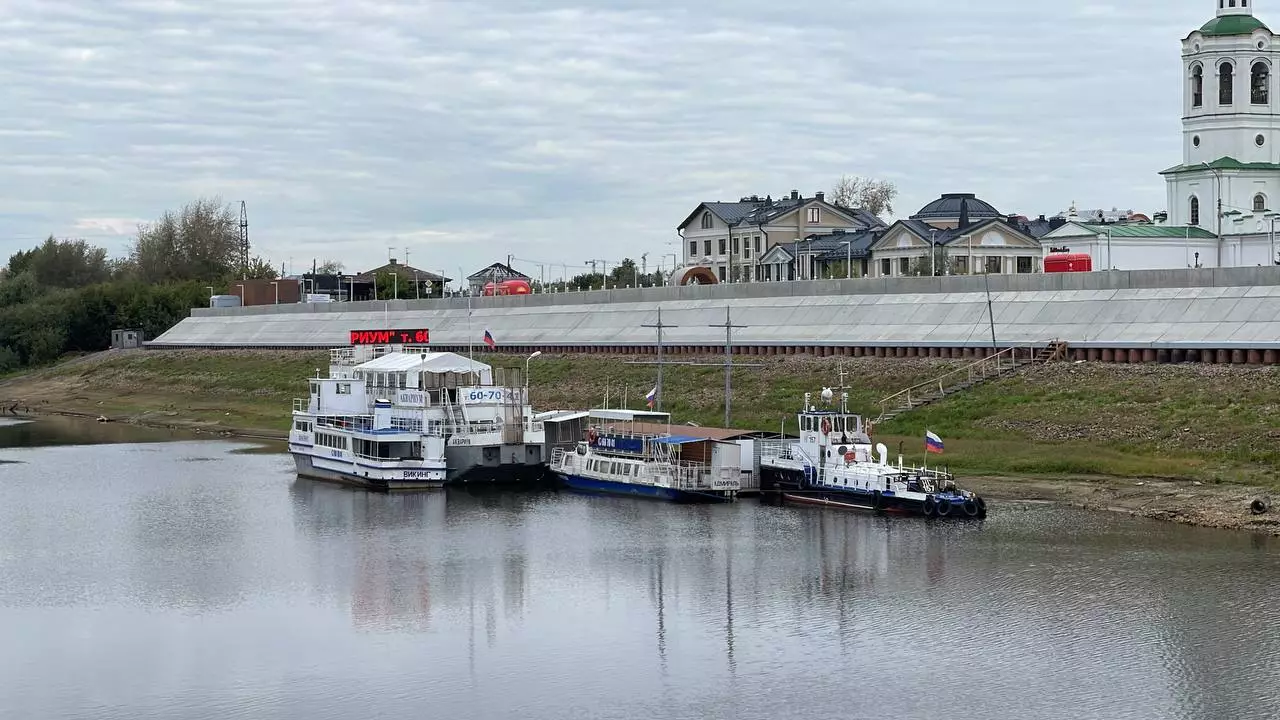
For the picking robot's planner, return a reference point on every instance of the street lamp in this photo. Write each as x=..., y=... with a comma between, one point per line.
x=242, y=302
x=1107, y=236
x=933, y=252
x=395, y=286
x=526, y=366
x=276, y=285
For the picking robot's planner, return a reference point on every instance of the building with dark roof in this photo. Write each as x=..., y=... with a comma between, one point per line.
x=730, y=238
x=839, y=254
x=956, y=234
x=495, y=273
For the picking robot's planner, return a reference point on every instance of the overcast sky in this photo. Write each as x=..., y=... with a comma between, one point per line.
x=559, y=131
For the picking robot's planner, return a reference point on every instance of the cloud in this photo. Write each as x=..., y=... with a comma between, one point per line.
x=114, y=226
x=557, y=130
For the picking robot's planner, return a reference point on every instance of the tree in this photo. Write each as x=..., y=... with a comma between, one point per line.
x=943, y=264
x=874, y=196
x=259, y=269
x=63, y=263
x=329, y=267
x=200, y=242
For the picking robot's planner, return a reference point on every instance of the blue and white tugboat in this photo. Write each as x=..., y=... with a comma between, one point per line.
x=644, y=460
x=832, y=465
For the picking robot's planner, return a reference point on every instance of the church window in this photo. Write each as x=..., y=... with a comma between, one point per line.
x=706, y=220
x=1195, y=140
x=1259, y=88
x=1195, y=211
x=1259, y=203
x=1226, y=77
x=1197, y=86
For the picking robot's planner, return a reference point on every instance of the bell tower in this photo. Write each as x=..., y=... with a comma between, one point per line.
x=1229, y=178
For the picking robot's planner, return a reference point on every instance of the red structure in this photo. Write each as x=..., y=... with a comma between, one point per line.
x=508, y=287
x=1068, y=262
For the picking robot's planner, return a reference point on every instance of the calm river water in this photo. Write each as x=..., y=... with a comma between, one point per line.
x=191, y=579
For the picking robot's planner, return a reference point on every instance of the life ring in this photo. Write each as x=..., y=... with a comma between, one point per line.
x=1258, y=507
x=877, y=501
x=970, y=508
x=930, y=506
x=849, y=458
x=944, y=507
x=826, y=426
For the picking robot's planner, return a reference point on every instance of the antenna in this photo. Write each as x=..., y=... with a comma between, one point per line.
x=244, y=241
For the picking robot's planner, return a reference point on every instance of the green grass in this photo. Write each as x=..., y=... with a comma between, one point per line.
x=1209, y=423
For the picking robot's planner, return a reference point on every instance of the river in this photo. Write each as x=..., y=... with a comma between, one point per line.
x=143, y=576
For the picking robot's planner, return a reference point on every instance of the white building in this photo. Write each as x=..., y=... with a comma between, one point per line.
x=966, y=235
x=1224, y=194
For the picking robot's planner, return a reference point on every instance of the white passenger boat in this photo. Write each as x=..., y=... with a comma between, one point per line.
x=832, y=465
x=406, y=417
x=663, y=466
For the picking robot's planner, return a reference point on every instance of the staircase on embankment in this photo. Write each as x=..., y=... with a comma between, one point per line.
x=1001, y=364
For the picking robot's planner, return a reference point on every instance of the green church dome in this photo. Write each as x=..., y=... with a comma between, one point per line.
x=1233, y=25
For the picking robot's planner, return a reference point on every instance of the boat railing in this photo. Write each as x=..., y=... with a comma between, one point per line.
x=775, y=448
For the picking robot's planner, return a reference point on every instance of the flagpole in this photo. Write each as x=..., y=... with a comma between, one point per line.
x=471, y=341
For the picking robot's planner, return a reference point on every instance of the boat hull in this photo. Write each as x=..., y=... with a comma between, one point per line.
x=308, y=469
x=593, y=486
x=496, y=465
x=784, y=486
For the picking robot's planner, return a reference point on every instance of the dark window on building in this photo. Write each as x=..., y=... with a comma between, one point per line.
x=886, y=267
x=735, y=245
x=757, y=243
x=720, y=271
x=1226, y=83
x=707, y=222
x=1259, y=203
x=693, y=248
x=993, y=265
x=904, y=266
x=706, y=247
x=722, y=246
x=1259, y=90
x=1195, y=211
x=1025, y=264
x=1197, y=86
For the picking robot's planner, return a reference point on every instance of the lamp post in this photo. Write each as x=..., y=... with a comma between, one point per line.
x=276, y=285
x=536, y=352
x=210, y=289
x=395, y=285
x=1107, y=237
x=1217, y=174
x=848, y=259
x=933, y=251
x=242, y=302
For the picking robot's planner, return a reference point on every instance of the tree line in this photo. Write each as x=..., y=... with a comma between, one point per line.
x=66, y=296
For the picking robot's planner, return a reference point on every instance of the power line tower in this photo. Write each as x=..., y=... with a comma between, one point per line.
x=657, y=398
x=728, y=361
x=244, y=240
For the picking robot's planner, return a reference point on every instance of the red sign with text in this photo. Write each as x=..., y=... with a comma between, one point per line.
x=390, y=337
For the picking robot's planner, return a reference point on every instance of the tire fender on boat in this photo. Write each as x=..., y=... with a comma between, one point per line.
x=1258, y=507
x=930, y=506
x=944, y=507
x=970, y=508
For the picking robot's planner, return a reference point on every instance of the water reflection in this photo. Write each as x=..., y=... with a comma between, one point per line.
x=177, y=580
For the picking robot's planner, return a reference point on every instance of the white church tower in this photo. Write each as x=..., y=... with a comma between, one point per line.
x=1229, y=179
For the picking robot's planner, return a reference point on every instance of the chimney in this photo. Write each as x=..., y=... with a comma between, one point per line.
x=795, y=194
x=964, y=214
x=1057, y=222
x=393, y=261
x=820, y=196
x=1041, y=218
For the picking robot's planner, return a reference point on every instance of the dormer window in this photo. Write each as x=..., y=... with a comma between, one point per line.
x=707, y=222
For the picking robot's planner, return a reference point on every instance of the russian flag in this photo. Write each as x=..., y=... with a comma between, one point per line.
x=488, y=338
x=932, y=443
x=653, y=394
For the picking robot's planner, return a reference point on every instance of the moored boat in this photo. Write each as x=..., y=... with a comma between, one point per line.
x=659, y=466
x=405, y=417
x=834, y=464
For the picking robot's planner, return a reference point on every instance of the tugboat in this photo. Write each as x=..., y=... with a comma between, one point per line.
x=832, y=465
x=660, y=466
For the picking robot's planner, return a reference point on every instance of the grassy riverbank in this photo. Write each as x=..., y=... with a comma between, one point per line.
x=1213, y=424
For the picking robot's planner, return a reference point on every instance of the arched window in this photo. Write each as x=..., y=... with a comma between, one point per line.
x=1195, y=211
x=706, y=221
x=1259, y=92
x=1197, y=86
x=1226, y=76
x=1259, y=203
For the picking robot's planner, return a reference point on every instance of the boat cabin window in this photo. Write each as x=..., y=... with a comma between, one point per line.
x=302, y=426
x=343, y=389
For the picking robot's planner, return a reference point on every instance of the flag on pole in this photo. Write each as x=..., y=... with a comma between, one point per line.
x=651, y=396
x=488, y=339
x=932, y=443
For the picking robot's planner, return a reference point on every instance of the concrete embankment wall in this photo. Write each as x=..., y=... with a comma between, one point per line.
x=1215, y=315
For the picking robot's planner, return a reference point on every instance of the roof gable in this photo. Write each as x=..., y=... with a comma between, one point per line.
x=499, y=269
x=777, y=254
x=992, y=233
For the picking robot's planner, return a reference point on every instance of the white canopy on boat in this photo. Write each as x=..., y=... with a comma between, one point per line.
x=436, y=363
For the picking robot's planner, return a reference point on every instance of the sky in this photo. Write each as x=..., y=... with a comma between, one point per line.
x=560, y=131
